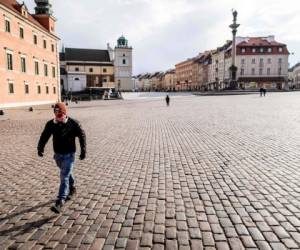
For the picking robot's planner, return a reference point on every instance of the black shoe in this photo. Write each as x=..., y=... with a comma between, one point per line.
x=72, y=192
x=57, y=206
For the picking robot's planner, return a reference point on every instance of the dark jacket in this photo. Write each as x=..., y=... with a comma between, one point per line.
x=64, y=135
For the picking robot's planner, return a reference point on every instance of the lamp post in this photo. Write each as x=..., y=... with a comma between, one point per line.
x=233, y=68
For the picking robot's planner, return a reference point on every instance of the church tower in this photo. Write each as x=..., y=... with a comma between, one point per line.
x=44, y=14
x=43, y=7
x=123, y=65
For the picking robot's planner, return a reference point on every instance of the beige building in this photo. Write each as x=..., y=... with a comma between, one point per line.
x=169, y=80
x=85, y=68
x=204, y=63
x=295, y=76
x=155, y=81
x=94, y=68
x=184, y=74
x=29, y=58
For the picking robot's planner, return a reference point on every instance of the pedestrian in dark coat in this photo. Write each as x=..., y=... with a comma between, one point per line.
x=168, y=100
x=261, y=90
x=265, y=91
x=64, y=131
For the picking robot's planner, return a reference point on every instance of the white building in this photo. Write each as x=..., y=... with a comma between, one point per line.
x=123, y=65
x=111, y=68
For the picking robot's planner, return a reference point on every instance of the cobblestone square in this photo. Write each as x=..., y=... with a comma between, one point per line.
x=205, y=173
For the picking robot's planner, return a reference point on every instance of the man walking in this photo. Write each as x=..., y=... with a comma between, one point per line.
x=64, y=131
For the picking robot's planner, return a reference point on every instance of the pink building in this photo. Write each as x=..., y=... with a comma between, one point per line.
x=29, y=61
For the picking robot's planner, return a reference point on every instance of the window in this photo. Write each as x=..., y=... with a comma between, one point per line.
x=54, y=90
x=280, y=60
x=76, y=69
x=104, y=80
x=26, y=86
x=76, y=79
x=21, y=32
x=269, y=60
x=91, y=70
x=269, y=50
x=52, y=47
x=261, y=61
x=46, y=69
x=45, y=44
x=47, y=90
x=11, y=88
x=104, y=70
x=279, y=71
x=23, y=64
x=9, y=57
x=243, y=61
x=243, y=50
x=253, y=71
x=253, y=60
x=124, y=61
x=36, y=68
x=39, y=90
x=35, y=39
x=280, y=49
x=253, y=50
x=260, y=71
x=242, y=72
x=261, y=50
x=268, y=71
x=7, y=26
x=53, y=72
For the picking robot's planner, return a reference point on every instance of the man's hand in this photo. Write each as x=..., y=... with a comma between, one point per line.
x=40, y=154
x=82, y=156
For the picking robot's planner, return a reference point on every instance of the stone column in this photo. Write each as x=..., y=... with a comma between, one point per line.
x=233, y=68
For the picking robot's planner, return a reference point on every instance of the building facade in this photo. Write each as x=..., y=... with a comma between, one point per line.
x=295, y=76
x=83, y=68
x=29, y=61
x=184, y=74
x=169, y=80
x=93, y=68
x=262, y=61
x=123, y=65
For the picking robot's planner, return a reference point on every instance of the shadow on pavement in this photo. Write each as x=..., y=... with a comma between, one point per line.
x=25, y=211
x=19, y=230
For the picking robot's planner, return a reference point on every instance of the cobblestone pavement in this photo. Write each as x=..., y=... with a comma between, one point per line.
x=205, y=173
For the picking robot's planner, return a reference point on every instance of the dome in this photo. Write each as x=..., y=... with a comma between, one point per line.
x=43, y=7
x=122, y=42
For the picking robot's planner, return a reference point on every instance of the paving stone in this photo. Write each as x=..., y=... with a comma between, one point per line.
x=205, y=173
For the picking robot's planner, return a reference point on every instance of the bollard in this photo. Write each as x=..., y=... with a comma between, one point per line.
x=1, y=112
x=30, y=109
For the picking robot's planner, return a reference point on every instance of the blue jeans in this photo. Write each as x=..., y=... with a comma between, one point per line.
x=65, y=164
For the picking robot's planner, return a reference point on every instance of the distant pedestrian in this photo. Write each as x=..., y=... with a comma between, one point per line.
x=168, y=100
x=261, y=90
x=265, y=91
x=64, y=131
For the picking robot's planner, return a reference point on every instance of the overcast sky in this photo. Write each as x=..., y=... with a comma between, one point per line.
x=165, y=32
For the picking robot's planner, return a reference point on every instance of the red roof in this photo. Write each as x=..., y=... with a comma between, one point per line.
x=260, y=41
x=15, y=6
